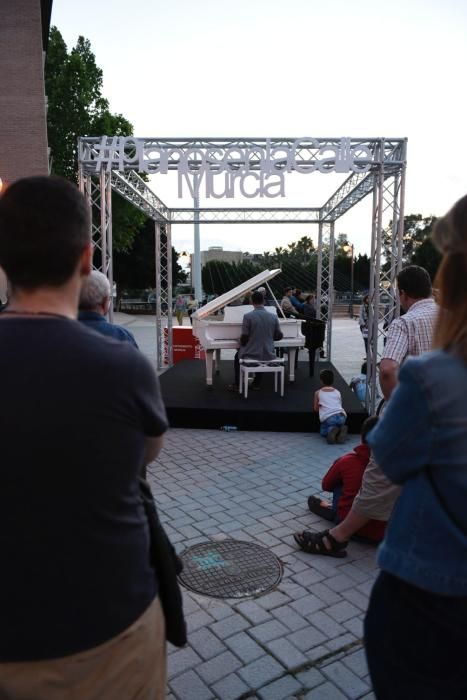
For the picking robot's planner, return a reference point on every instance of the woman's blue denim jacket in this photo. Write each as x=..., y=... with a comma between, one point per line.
x=423, y=431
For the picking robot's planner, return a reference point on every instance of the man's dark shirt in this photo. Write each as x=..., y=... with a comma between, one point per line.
x=75, y=412
x=99, y=323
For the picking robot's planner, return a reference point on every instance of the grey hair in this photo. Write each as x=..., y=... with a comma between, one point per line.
x=96, y=288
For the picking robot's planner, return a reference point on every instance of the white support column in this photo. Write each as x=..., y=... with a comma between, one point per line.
x=168, y=231
x=319, y=272
x=107, y=240
x=163, y=249
x=330, y=292
x=374, y=293
x=160, y=340
x=196, y=269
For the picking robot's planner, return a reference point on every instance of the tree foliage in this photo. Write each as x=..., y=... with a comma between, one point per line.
x=417, y=246
x=77, y=107
x=137, y=270
x=298, y=262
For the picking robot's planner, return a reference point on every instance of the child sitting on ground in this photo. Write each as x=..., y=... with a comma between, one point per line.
x=344, y=479
x=328, y=402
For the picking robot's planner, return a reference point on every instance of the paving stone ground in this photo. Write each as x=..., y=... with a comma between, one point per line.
x=302, y=640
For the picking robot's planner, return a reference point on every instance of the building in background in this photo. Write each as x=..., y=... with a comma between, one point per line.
x=218, y=253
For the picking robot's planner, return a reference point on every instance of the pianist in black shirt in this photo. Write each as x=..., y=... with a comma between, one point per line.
x=259, y=331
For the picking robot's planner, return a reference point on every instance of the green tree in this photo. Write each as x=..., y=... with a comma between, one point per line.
x=136, y=267
x=417, y=246
x=76, y=107
x=427, y=256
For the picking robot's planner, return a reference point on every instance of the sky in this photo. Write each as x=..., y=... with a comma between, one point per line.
x=299, y=68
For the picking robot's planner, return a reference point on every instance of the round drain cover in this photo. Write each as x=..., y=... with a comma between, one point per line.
x=229, y=569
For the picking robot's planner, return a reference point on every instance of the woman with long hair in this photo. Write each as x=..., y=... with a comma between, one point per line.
x=416, y=624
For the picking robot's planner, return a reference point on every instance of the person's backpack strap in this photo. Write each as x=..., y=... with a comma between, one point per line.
x=167, y=565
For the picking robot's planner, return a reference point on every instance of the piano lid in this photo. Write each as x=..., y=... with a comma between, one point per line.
x=235, y=293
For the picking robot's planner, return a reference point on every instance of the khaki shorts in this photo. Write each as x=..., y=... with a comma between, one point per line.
x=131, y=666
x=377, y=494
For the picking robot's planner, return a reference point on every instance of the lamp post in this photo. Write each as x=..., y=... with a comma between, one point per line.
x=349, y=249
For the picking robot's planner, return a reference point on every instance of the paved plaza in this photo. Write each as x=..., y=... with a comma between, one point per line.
x=304, y=639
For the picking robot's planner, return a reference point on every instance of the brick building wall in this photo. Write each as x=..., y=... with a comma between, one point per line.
x=23, y=129
x=23, y=126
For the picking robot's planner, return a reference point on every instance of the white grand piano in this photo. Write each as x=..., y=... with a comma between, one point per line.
x=216, y=333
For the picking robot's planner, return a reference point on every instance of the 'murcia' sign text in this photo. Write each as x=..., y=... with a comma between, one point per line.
x=251, y=171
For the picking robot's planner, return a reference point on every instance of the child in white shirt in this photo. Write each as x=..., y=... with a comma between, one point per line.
x=328, y=402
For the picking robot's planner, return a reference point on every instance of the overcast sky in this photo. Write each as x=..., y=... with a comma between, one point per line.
x=297, y=68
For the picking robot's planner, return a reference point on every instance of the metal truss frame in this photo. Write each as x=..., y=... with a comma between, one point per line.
x=253, y=215
x=163, y=252
x=110, y=163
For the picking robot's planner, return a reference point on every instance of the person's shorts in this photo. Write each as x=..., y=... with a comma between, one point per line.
x=377, y=494
x=131, y=665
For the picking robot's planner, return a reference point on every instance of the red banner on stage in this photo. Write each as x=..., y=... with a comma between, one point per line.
x=185, y=345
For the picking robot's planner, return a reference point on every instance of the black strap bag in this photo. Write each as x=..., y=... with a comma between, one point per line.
x=167, y=565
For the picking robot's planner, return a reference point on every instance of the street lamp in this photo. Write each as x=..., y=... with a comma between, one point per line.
x=349, y=249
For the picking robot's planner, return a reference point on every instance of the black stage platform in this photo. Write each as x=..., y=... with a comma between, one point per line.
x=190, y=404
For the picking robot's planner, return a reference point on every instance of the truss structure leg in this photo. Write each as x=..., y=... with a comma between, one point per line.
x=325, y=280
x=98, y=193
x=386, y=262
x=163, y=248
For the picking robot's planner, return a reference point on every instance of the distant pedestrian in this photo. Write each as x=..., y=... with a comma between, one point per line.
x=363, y=320
x=94, y=303
x=180, y=308
x=192, y=305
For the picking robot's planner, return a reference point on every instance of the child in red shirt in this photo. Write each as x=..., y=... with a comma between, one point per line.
x=344, y=479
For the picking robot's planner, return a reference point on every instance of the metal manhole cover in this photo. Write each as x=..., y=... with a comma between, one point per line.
x=229, y=569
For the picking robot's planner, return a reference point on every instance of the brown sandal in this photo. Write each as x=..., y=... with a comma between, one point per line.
x=313, y=543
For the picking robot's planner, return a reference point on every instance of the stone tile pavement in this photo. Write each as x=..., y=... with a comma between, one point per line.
x=302, y=640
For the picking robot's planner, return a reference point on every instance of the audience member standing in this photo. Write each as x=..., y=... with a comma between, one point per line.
x=408, y=336
x=416, y=624
x=80, y=416
x=309, y=307
x=94, y=303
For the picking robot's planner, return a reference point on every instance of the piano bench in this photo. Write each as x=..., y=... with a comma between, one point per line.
x=254, y=366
